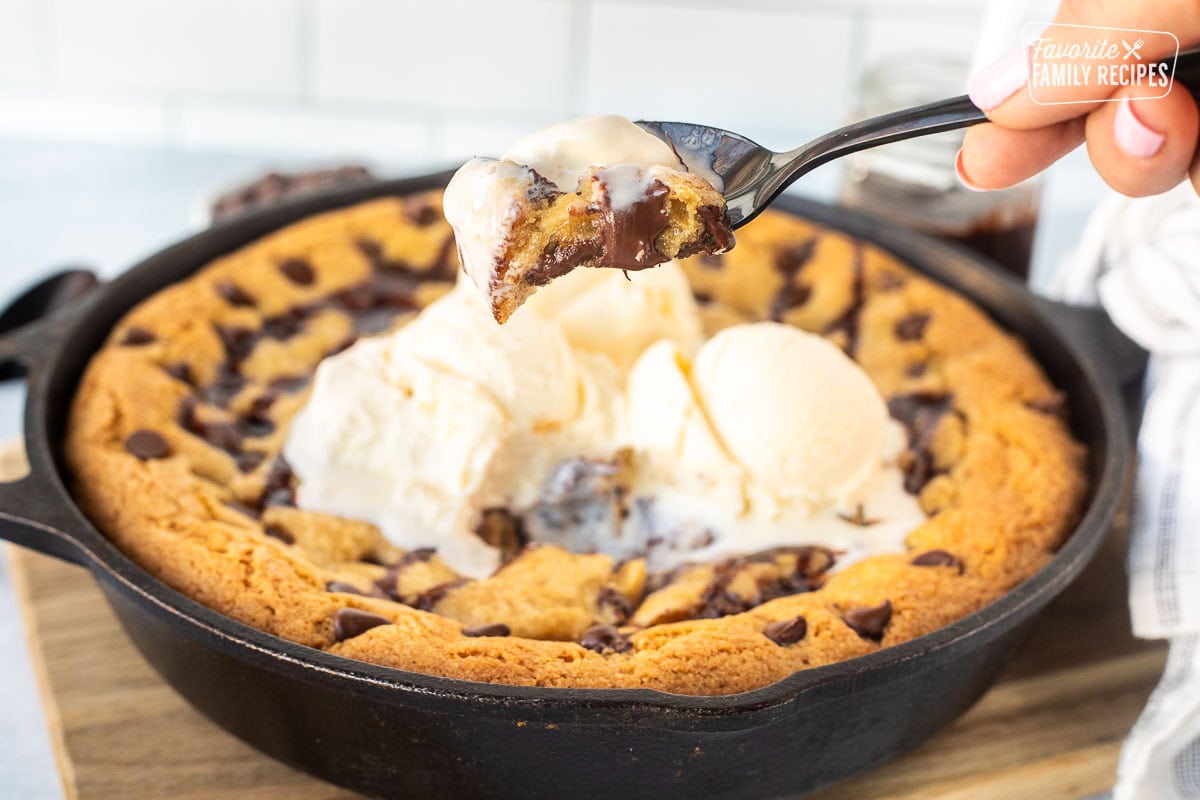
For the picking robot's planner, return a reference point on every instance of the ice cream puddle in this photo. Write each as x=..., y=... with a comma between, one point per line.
x=593, y=192
x=600, y=419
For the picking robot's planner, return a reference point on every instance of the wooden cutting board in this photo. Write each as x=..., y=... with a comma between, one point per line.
x=1051, y=728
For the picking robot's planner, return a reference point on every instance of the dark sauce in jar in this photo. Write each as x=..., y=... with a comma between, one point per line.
x=913, y=183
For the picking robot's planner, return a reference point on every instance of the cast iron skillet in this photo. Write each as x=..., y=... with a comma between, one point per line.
x=392, y=733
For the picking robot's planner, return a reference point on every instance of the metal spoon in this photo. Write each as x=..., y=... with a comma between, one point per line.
x=751, y=176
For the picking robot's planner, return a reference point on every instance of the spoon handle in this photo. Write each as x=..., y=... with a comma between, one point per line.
x=944, y=115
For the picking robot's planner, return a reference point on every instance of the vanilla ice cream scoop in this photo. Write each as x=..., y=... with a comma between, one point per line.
x=793, y=409
x=419, y=431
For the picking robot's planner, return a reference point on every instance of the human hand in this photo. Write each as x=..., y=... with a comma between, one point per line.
x=1139, y=146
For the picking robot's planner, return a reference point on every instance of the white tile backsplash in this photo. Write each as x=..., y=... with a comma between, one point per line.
x=212, y=46
x=889, y=35
x=30, y=114
x=20, y=39
x=733, y=67
x=462, y=136
x=469, y=54
x=293, y=132
x=440, y=81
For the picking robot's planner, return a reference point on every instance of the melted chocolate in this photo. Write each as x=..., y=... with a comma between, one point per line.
x=605, y=637
x=920, y=413
x=628, y=232
x=495, y=629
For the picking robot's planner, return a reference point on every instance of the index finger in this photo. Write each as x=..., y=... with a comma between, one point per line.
x=1093, y=46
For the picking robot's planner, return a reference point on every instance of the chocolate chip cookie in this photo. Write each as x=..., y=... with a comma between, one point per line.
x=175, y=436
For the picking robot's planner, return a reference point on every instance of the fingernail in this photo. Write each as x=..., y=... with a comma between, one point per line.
x=1133, y=136
x=962, y=175
x=1000, y=80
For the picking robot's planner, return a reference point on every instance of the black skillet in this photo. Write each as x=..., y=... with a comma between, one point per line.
x=399, y=734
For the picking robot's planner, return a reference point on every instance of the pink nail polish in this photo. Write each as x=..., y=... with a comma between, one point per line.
x=1000, y=80
x=962, y=176
x=1133, y=136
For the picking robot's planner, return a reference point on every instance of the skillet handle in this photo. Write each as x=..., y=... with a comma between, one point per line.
x=35, y=510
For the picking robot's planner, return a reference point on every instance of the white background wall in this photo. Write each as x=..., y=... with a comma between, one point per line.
x=418, y=81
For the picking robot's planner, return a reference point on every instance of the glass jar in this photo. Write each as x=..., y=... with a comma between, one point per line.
x=913, y=182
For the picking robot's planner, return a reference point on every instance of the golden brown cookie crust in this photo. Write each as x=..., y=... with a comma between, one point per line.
x=209, y=371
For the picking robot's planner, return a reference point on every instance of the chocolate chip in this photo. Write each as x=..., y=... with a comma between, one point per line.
x=615, y=604
x=888, y=281
x=495, y=629
x=351, y=622
x=260, y=405
x=255, y=426
x=136, y=337
x=792, y=295
x=298, y=271
x=605, y=637
x=869, y=622
x=146, y=445
x=1054, y=404
x=429, y=598
x=372, y=250
x=916, y=369
x=787, y=632
x=499, y=528
x=912, y=327
x=222, y=435
x=181, y=371
x=422, y=214
x=917, y=466
x=277, y=532
x=418, y=556
x=286, y=325
x=343, y=587
x=790, y=259
x=227, y=384
x=920, y=412
x=238, y=342
x=938, y=558
x=241, y=508
x=703, y=298
x=249, y=460
x=235, y=295
x=280, y=488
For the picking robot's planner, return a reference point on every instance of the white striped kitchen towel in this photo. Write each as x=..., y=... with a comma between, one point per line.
x=1140, y=260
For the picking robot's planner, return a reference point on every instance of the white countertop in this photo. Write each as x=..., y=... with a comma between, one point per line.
x=105, y=207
